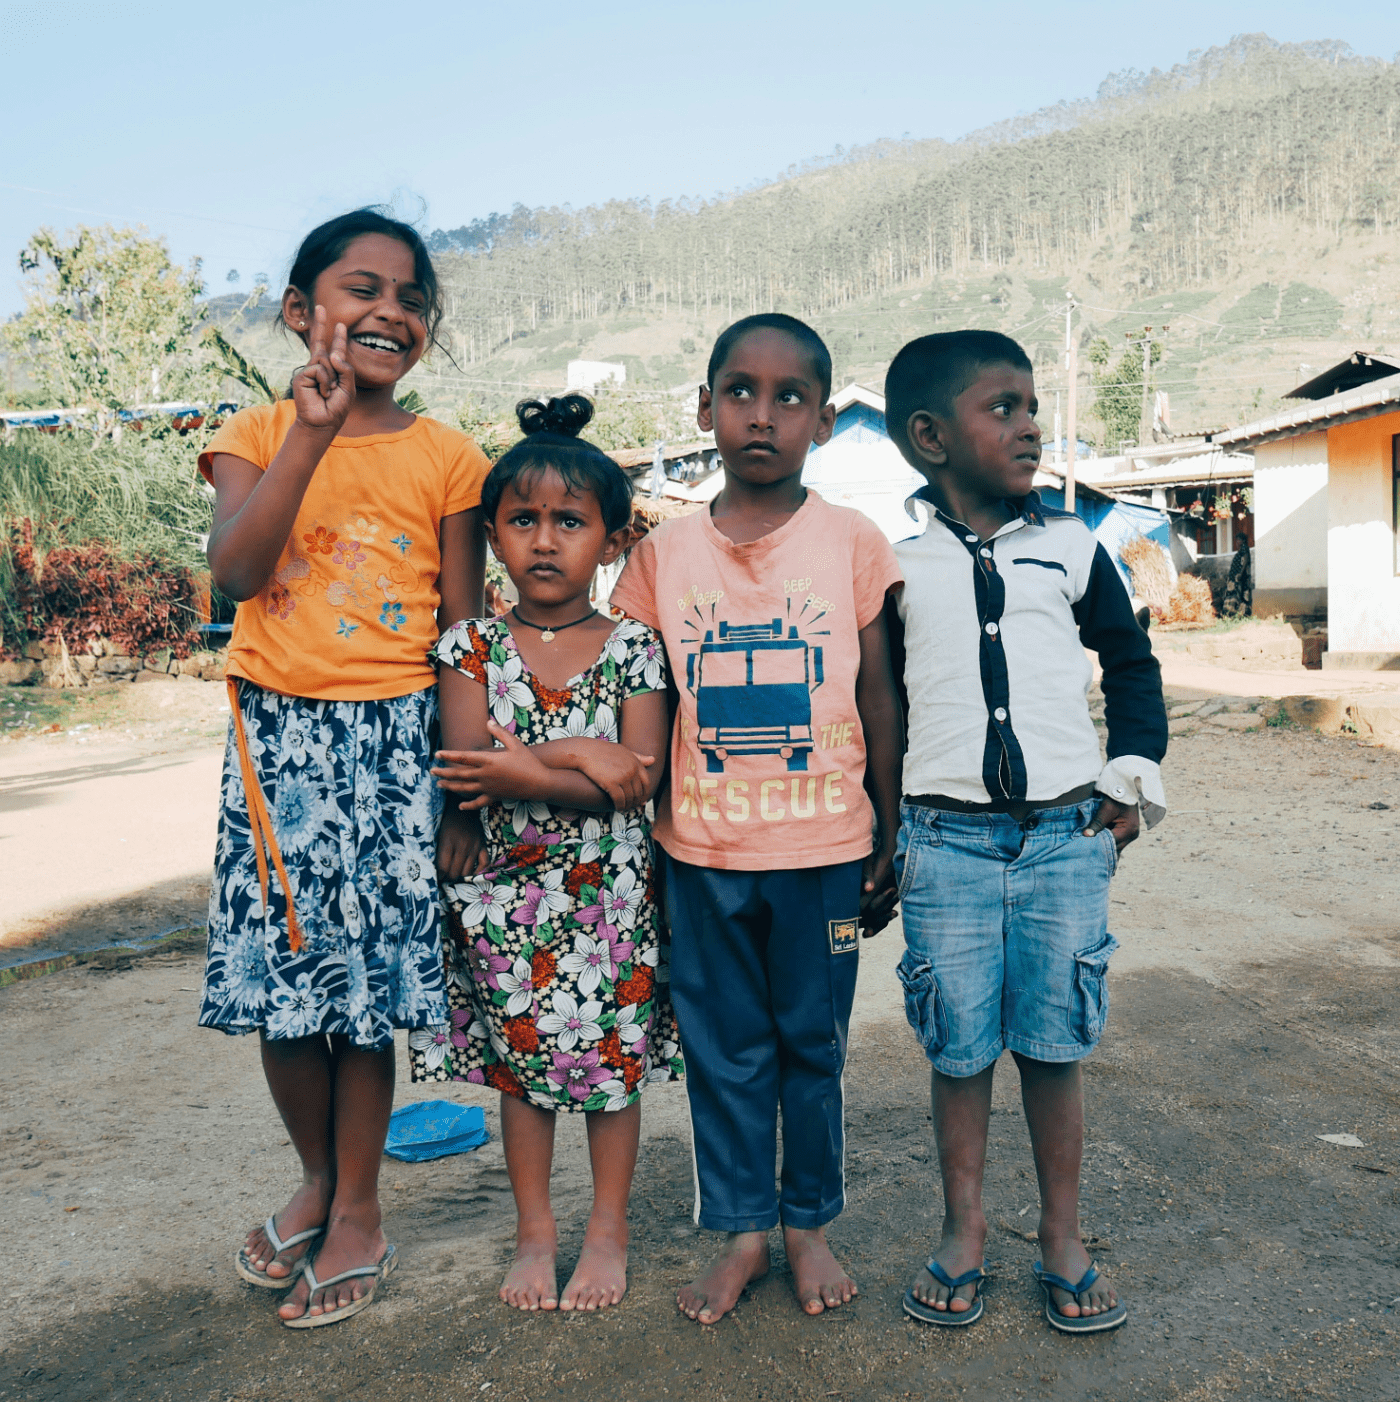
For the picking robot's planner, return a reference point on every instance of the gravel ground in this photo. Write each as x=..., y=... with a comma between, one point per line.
x=1254, y=1009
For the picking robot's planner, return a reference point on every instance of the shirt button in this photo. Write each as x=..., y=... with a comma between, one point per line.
x=1118, y=793
x=1000, y=713
x=971, y=539
x=991, y=630
x=985, y=553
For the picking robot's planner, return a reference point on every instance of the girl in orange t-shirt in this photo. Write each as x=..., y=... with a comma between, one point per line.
x=344, y=526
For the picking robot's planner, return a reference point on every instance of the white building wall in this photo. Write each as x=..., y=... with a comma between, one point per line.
x=870, y=476
x=587, y=375
x=1363, y=604
x=1291, y=525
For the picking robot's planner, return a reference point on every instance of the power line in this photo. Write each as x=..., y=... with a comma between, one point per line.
x=169, y=213
x=429, y=374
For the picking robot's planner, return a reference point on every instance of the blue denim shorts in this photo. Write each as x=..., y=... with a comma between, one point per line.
x=1006, y=933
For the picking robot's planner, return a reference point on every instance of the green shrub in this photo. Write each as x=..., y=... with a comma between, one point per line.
x=101, y=534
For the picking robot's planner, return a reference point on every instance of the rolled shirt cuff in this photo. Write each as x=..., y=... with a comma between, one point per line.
x=1132, y=779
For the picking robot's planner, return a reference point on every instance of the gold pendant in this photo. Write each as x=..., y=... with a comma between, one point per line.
x=547, y=636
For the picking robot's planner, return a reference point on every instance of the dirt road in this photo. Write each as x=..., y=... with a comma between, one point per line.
x=1254, y=1009
x=107, y=811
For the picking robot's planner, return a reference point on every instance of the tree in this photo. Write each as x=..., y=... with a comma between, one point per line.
x=233, y=276
x=110, y=321
x=490, y=436
x=621, y=420
x=238, y=367
x=1118, y=390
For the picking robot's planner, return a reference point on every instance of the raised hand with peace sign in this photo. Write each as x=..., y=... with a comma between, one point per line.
x=324, y=388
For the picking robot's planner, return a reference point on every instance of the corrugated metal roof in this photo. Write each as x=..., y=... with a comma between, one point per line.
x=1379, y=397
x=1359, y=368
x=629, y=459
x=1220, y=469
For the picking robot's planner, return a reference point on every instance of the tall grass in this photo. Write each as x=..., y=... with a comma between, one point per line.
x=141, y=499
x=142, y=496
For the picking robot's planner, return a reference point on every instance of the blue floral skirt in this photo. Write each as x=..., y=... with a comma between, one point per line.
x=355, y=812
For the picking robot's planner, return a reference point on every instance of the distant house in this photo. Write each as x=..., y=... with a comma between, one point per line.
x=683, y=467
x=1207, y=492
x=860, y=466
x=587, y=375
x=690, y=477
x=1327, y=512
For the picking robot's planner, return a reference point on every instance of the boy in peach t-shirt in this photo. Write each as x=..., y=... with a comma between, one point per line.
x=771, y=608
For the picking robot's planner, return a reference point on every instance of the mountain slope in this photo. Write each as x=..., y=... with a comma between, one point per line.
x=1247, y=198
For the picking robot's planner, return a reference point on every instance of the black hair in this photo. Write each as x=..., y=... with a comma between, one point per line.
x=551, y=442
x=773, y=321
x=931, y=372
x=326, y=244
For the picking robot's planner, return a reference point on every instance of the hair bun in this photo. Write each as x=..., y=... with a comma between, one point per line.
x=566, y=417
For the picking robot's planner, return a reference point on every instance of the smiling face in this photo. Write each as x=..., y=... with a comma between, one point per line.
x=551, y=540
x=991, y=443
x=371, y=288
x=765, y=408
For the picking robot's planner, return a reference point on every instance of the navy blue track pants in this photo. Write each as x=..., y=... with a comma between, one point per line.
x=763, y=974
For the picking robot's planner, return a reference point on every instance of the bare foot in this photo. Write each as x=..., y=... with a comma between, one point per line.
x=742, y=1260
x=530, y=1284
x=600, y=1278
x=1063, y=1254
x=352, y=1239
x=961, y=1249
x=817, y=1279
x=308, y=1208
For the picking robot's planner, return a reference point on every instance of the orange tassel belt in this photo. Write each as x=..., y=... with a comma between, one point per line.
x=260, y=821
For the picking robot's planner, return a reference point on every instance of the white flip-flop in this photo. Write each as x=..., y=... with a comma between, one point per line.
x=386, y=1263
x=243, y=1263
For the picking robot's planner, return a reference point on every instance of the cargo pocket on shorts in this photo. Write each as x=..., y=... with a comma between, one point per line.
x=1091, y=989
x=922, y=1004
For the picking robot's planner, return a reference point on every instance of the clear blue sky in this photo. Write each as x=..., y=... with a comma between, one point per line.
x=231, y=130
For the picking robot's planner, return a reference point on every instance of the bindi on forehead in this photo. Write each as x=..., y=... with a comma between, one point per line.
x=383, y=277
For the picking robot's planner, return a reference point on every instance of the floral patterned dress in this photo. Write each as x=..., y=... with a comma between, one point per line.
x=557, y=970
x=355, y=810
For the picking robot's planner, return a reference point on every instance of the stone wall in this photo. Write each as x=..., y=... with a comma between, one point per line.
x=104, y=663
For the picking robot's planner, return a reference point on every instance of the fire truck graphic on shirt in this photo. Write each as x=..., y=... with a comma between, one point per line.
x=753, y=685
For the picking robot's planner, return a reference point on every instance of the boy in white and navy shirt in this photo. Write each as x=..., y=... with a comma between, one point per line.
x=1011, y=823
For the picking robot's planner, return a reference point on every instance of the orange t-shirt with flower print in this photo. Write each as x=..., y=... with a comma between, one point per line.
x=350, y=613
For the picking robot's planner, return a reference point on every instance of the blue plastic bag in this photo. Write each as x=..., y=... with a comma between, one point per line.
x=433, y=1129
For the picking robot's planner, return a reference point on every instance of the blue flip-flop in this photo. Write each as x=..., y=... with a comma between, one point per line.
x=915, y=1308
x=1080, y=1323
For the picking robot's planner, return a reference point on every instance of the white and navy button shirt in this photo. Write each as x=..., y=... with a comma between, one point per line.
x=995, y=671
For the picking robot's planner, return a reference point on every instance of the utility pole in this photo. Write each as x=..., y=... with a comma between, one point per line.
x=1145, y=418
x=1072, y=433
x=1145, y=413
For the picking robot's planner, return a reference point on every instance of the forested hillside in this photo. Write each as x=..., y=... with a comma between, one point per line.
x=1247, y=199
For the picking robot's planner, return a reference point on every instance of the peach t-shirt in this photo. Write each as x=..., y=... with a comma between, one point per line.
x=767, y=755
x=351, y=610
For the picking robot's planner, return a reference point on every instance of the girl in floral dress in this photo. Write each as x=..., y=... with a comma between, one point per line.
x=552, y=715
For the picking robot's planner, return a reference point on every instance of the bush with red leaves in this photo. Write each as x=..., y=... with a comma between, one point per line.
x=84, y=592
